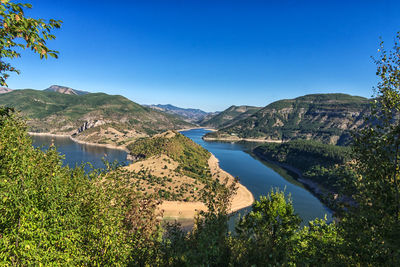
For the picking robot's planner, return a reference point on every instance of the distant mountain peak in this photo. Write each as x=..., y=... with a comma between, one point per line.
x=4, y=90
x=188, y=114
x=65, y=90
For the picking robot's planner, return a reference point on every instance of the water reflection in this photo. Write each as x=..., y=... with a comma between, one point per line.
x=260, y=176
x=76, y=154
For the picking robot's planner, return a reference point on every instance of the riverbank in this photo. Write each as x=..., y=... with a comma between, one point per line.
x=180, y=210
x=81, y=142
x=317, y=190
x=196, y=128
x=237, y=139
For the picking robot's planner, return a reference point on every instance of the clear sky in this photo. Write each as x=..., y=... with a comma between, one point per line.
x=211, y=54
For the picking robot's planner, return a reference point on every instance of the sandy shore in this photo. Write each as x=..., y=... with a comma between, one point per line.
x=194, y=128
x=185, y=210
x=79, y=141
x=242, y=139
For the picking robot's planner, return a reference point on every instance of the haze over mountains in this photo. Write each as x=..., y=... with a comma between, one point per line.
x=189, y=114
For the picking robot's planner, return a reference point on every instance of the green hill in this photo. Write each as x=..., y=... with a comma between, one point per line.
x=171, y=165
x=324, y=117
x=229, y=116
x=95, y=117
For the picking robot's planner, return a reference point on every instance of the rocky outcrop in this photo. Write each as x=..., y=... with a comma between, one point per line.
x=90, y=124
x=65, y=90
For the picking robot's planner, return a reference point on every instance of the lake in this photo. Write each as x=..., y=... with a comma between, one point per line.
x=258, y=176
x=76, y=154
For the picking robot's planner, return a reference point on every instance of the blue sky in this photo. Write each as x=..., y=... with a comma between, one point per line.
x=211, y=54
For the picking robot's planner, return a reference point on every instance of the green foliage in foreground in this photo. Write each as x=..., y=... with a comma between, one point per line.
x=19, y=31
x=58, y=215
x=54, y=215
x=322, y=163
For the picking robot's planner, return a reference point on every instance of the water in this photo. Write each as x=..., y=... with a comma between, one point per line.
x=76, y=154
x=260, y=177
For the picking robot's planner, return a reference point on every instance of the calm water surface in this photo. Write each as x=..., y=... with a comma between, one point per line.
x=259, y=177
x=76, y=154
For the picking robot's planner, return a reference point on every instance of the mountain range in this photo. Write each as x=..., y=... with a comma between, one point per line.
x=114, y=119
x=188, y=114
x=91, y=117
x=328, y=118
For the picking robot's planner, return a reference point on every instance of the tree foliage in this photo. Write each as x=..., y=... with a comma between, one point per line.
x=54, y=214
x=17, y=31
x=373, y=226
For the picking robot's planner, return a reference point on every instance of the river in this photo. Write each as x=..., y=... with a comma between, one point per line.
x=258, y=176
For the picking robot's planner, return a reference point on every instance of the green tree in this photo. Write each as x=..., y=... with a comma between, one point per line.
x=266, y=235
x=52, y=214
x=17, y=31
x=372, y=226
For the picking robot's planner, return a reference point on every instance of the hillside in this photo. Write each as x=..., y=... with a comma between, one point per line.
x=65, y=90
x=96, y=117
x=229, y=116
x=325, y=117
x=323, y=168
x=178, y=169
x=188, y=114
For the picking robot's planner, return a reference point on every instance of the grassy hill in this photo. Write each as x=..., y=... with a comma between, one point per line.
x=229, y=116
x=172, y=164
x=325, y=117
x=96, y=117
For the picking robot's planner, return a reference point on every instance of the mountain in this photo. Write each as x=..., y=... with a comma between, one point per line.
x=95, y=117
x=188, y=114
x=325, y=117
x=65, y=90
x=229, y=116
x=4, y=90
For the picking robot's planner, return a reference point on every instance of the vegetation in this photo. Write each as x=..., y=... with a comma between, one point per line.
x=321, y=163
x=61, y=113
x=17, y=31
x=324, y=117
x=188, y=181
x=192, y=158
x=373, y=225
x=55, y=215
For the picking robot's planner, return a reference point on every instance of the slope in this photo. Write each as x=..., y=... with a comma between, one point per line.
x=97, y=117
x=325, y=117
x=229, y=116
